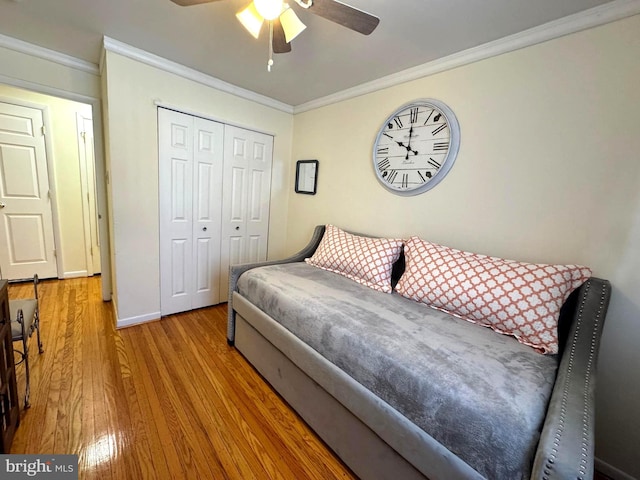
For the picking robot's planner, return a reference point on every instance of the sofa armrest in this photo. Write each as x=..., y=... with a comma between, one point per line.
x=236, y=270
x=566, y=447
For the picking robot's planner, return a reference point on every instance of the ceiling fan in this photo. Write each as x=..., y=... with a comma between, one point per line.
x=284, y=24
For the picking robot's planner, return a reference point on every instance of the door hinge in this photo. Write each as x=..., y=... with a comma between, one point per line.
x=55, y=254
x=44, y=130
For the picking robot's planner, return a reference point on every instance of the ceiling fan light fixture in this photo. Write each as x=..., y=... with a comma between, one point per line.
x=269, y=9
x=291, y=24
x=251, y=19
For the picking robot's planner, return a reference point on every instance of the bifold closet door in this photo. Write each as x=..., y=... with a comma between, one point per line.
x=190, y=173
x=248, y=157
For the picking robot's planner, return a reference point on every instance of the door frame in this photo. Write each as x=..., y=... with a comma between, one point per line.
x=100, y=163
x=48, y=150
x=88, y=191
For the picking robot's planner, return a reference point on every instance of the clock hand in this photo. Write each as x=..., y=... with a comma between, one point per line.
x=409, y=145
x=401, y=144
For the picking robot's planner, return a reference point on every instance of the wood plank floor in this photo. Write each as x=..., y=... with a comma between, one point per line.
x=167, y=399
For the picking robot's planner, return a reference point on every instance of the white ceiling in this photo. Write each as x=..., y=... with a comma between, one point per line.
x=326, y=57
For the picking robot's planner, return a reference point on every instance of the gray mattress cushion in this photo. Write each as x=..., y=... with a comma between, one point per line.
x=480, y=394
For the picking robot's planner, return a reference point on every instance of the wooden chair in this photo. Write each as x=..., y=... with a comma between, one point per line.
x=25, y=318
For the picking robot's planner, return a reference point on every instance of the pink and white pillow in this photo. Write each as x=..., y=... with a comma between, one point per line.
x=512, y=298
x=367, y=261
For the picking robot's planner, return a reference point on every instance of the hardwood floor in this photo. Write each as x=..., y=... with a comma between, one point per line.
x=167, y=399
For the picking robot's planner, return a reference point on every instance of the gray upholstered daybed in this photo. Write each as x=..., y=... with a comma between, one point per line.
x=400, y=390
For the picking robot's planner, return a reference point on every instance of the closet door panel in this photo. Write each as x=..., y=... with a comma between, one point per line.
x=236, y=249
x=255, y=249
x=207, y=203
x=190, y=171
x=176, y=212
x=237, y=196
x=259, y=195
x=180, y=259
x=246, y=198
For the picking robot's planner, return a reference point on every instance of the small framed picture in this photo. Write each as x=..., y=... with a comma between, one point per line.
x=306, y=176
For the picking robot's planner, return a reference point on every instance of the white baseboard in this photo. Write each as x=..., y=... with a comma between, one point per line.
x=77, y=274
x=129, y=322
x=613, y=472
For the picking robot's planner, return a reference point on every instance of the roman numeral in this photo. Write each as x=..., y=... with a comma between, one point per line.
x=433, y=163
x=405, y=180
x=383, y=151
x=384, y=164
x=439, y=146
x=398, y=122
x=414, y=115
x=439, y=129
x=388, y=136
x=392, y=176
x=427, y=120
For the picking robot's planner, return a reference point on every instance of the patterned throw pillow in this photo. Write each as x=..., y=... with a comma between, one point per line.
x=512, y=298
x=367, y=261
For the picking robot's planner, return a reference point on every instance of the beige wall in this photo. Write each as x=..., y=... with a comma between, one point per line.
x=46, y=74
x=131, y=120
x=548, y=171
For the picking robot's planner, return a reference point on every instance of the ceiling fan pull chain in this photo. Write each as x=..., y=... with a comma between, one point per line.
x=270, y=62
x=304, y=3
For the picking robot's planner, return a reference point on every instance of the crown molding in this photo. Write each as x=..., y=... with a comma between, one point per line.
x=142, y=56
x=609, y=12
x=46, y=54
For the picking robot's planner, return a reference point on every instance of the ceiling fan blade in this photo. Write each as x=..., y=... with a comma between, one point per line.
x=345, y=15
x=279, y=43
x=188, y=3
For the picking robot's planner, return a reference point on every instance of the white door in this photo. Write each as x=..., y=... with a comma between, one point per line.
x=190, y=170
x=247, y=193
x=88, y=187
x=26, y=226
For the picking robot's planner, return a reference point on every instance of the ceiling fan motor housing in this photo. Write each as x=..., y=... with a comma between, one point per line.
x=269, y=9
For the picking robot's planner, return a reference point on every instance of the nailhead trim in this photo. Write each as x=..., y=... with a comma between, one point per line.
x=586, y=417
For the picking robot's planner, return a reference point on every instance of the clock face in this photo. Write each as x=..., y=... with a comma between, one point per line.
x=416, y=147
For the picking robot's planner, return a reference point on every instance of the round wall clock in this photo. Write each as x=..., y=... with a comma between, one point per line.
x=416, y=147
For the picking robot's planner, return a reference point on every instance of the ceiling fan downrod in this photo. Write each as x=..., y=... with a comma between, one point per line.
x=270, y=62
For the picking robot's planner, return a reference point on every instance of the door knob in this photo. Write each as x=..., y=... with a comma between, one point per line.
x=204, y=229
x=2, y=205
x=237, y=228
